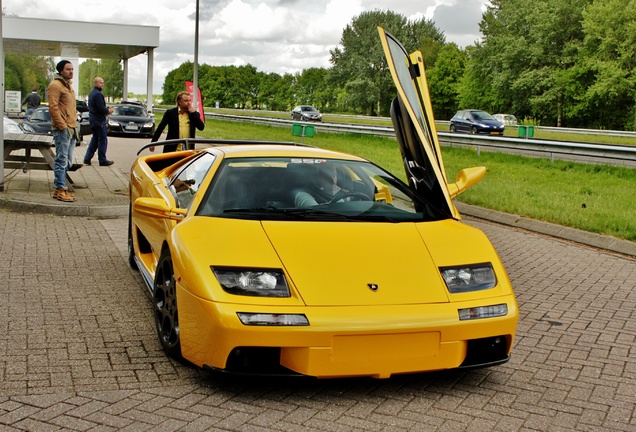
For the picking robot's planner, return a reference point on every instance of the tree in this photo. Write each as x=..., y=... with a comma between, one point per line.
x=310, y=88
x=275, y=91
x=526, y=60
x=113, y=75
x=607, y=62
x=444, y=79
x=360, y=58
x=88, y=70
x=110, y=70
x=175, y=81
x=23, y=73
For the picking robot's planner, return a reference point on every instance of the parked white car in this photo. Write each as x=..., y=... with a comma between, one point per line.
x=506, y=119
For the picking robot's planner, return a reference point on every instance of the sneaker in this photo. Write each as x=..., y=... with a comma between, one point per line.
x=62, y=195
x=87, y=162
x=107, y=163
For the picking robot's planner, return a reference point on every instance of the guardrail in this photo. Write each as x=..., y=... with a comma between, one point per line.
x=604, y=153
x=325, y=127
x=602, y=132
x=601, y=153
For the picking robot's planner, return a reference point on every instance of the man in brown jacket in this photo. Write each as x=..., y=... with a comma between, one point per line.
x=64, y=126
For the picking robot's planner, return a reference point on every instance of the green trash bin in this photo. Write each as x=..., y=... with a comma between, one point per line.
x=297, y=129
x=522, y=131
x=530, y=132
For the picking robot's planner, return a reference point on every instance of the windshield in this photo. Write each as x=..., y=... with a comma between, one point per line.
x=127, y=110
x=482, y=115
x=311, y=189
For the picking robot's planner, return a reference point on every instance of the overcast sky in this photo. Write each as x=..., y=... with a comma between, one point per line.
x=282, y=36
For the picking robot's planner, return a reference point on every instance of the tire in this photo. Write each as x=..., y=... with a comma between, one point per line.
x=452, y=128
x=131, y=250
x=473, y=130
x=164, y=300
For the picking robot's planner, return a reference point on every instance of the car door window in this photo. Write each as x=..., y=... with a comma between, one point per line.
x=187, y=182
x=41, y=116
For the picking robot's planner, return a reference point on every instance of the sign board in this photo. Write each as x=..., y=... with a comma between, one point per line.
x=13, y=101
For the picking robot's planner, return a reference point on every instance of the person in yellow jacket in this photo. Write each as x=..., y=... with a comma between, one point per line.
x=63, y=110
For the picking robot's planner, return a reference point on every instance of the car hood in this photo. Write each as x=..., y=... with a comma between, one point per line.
x=331, y=263
x=414, y=125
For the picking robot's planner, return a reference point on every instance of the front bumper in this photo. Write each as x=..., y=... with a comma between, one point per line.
x=376, y=341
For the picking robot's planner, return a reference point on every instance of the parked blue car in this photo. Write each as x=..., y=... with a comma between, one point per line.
x=476, y=122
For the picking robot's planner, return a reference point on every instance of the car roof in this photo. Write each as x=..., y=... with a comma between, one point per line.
x=280, y=150
x=254, y=148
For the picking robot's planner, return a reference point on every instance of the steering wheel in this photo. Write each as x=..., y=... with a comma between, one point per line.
x=342, y=195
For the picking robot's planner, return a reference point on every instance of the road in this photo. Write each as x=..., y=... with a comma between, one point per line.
x=123, y=151
x=79, y=349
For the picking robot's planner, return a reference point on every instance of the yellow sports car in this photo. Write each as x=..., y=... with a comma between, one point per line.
x=268, y=257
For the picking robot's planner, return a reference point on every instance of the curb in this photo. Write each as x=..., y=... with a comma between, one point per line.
x=600, y=241
x=91, y=210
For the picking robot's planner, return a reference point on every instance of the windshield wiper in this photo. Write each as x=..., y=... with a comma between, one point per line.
x=301, y=213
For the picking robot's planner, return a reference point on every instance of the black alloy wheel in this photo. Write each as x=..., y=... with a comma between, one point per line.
x=164, y=299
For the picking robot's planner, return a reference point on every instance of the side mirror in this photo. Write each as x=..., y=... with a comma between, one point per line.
x=467, y=178
x=156, y=207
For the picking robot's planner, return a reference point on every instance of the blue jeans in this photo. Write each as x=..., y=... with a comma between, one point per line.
x=64, y=146
x=99, y=142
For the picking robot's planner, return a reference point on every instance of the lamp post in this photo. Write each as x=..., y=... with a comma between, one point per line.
x=195, y=77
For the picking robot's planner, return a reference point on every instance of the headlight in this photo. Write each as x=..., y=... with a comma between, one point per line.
x=149, y=124
x=468, y=278
x=112, y=123
x=252, y=282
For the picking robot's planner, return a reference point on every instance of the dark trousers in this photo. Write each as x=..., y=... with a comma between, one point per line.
x=98, y=143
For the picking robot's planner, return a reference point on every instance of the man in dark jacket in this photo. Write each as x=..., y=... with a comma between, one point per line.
x=32, y=101
x=181, y=122
x=97, y=112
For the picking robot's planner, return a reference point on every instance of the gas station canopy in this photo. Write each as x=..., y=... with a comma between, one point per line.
x=73, y=40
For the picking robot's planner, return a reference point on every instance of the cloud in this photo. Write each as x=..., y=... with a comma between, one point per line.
x=460, y=21
x=282, y=36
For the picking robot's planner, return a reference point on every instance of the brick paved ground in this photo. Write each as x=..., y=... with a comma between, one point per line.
x=79, y=351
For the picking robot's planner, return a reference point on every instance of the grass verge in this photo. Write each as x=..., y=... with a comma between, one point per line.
x=594, y=198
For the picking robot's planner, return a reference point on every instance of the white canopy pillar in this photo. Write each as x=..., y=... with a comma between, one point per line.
x=150, y=72
x=125, y=89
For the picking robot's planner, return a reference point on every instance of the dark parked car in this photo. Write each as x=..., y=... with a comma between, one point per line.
x=40, y=122
x=81, y=106
x=476, y=122
x=131, y=119
x=306, y=113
